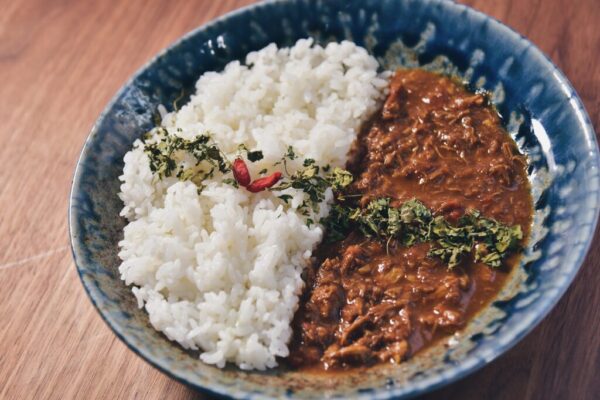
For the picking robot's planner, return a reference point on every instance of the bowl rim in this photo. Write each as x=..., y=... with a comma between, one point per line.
x=461, y=368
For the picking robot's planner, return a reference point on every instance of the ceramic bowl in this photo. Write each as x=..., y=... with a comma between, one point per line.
x=541, y=111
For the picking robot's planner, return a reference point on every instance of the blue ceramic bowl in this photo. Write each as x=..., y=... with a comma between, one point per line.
x=541, y=110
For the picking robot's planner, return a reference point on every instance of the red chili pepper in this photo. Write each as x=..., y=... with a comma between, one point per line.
x=264, y=183
x=240, y=172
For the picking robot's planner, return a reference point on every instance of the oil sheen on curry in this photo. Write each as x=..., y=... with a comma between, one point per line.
x=372, y=300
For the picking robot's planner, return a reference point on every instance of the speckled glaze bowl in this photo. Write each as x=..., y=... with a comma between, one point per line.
x=541, y=111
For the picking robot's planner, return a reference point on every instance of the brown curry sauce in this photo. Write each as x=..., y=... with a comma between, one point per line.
x=368, y=303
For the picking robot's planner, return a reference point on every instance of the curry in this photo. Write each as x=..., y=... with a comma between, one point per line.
x=371, y=301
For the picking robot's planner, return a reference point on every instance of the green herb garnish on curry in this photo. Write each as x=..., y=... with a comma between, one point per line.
x=486, y=239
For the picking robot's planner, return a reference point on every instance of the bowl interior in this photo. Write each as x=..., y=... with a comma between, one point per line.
x=541, y=112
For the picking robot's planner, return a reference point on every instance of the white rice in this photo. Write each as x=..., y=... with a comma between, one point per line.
x=220, y=271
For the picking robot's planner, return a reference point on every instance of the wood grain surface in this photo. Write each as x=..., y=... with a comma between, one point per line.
x=60, y=63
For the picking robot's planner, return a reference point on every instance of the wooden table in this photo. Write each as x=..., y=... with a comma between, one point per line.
x=60, y=63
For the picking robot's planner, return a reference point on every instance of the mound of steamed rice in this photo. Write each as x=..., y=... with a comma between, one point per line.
x=220, y=271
